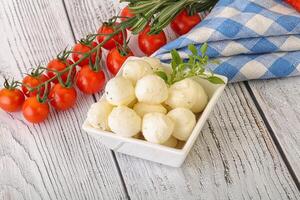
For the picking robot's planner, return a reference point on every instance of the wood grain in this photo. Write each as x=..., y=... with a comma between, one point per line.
x=55, y=159
x=235, y=157
x=280, y=101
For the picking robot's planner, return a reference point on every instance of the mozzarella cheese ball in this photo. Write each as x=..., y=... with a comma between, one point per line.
x=98, y=113
x=171, y=142
x=187, y=94
x=157, y=127
x=151, y=89
x=143, y=108
x=134, y=70
x=124, y=121
x=119, y=91
x=184, y=121
x=153, y=62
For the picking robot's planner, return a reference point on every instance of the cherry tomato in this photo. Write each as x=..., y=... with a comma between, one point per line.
x=35, y=111
x=81, y=49
x=116, y=58
x=62, y=98
x=183, y=22
x=126, y=13
x=294, y=3
x=89, y=81
x=33, y=81
x=108, y=29
x=150, y=43
x=59, y=65
x=11, y=100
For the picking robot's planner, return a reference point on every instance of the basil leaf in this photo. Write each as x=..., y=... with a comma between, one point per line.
x=215, y=80
x=203, y=49
x=162, y=75
x=193, y=49
x=176, y=57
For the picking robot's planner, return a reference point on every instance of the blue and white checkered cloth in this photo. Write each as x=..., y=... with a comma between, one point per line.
x=252, y=39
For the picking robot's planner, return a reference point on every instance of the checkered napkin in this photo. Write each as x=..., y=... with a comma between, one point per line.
x=252, y=39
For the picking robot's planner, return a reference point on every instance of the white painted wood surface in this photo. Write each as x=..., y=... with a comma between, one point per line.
x=234, y=158
x=53, y=160
x=280, y=102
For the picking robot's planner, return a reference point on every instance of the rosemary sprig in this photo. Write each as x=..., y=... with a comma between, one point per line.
x=194, y=66
x=161, y=12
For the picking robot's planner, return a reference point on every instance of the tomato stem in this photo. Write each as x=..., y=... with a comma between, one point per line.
x=160, y=12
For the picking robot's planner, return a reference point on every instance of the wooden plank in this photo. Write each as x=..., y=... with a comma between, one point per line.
x=55, y=159
x=234, y=158
x=280, y=101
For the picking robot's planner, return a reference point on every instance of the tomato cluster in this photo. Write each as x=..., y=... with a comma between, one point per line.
x=80, y=67
x=55, y=87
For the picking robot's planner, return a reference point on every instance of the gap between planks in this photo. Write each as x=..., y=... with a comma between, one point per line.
x=260, y=113
x=273, y=136
x=95, y=100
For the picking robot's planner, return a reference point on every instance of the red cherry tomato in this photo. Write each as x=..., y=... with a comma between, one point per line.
x=33, y=81
x=126, y=13
x=35, y=111
x=89, y=81
x=80, y=49
x=62, y=98
x=108, y=29
x=150, y=43
x=115, y=59
x=59, y=65
x=183, y=22
x=11, y=100
x=294, y=3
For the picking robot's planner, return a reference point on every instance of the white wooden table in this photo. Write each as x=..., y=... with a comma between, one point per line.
x=248, y=149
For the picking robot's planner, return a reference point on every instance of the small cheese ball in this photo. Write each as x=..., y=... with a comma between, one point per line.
x=184, y=121
x=189, y=94
x=124, y=121
x=171, y=142
x=134, y=70
x=151, y=89
x=157, y=127
x=119, y=91
x=98, y=113
x=143, y=108
x=153, y=62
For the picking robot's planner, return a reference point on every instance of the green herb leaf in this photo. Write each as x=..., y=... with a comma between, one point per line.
x=203, y=49
x=193, y=49
x=176, y=57
x=162, y=75
x=195, y=66
x=215, y=80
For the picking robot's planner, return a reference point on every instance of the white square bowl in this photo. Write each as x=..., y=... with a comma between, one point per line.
x=155, y=152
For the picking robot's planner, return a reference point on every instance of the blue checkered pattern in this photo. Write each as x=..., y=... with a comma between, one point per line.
x=253, y=39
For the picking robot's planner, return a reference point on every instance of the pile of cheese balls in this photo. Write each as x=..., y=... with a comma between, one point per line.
x=140, y=104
